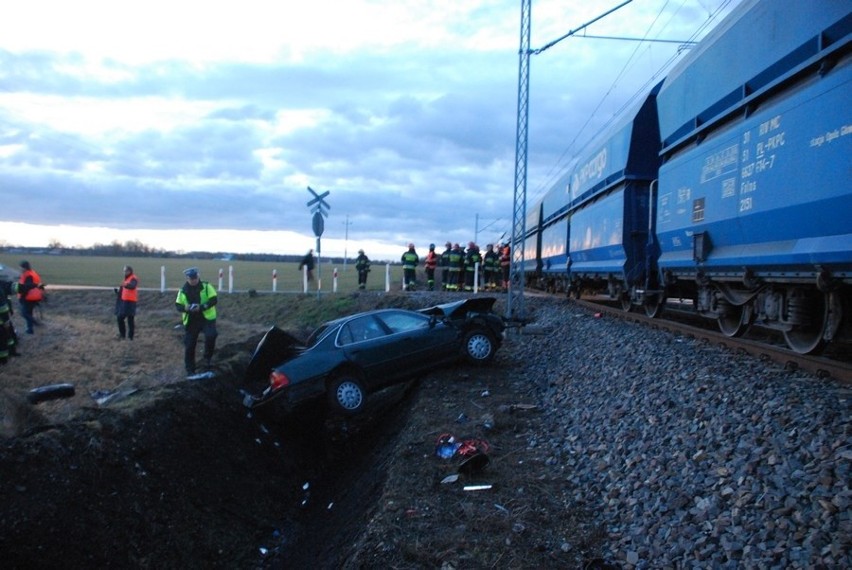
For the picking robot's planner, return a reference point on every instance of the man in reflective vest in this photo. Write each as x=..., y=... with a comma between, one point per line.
x=30, y=294
x=125, y=306
x=196, y=301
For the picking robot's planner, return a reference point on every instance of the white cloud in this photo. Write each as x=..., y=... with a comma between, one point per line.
x=128, y=115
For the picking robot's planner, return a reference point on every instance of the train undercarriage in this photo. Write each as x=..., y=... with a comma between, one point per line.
x=809, y=314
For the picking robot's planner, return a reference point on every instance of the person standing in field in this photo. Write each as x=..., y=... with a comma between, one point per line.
x=431, y=263
x=308, y=262
x=125, y=304
x=410, y=259
x=196, y=301
x=362, y=266
x=445, y=265
x=30, y=294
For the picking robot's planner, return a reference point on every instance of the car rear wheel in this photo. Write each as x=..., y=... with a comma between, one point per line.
x=346, y=394
x=479, y=346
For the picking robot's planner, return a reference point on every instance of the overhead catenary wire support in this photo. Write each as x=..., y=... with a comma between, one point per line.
x=515, y=302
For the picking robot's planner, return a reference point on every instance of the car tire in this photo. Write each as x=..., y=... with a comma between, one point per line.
x=478, y=347
x=346, y=394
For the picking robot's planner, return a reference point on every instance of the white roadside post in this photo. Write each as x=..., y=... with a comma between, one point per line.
x=387, y=278
x=274, y=280
x=221, y=273
x=304, y=279
x=476, y=278
x=230, y=279
x=334, y=283
x=162, y=279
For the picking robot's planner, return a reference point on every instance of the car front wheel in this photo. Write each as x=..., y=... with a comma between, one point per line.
x=346, y=394
x=478, y=347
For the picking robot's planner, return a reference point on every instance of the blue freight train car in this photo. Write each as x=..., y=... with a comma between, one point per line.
x=754, y=205
x=729, y=186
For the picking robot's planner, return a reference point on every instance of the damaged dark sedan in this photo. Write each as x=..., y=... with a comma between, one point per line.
x=347, y=359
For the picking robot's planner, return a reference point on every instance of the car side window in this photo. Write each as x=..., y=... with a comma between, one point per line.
x=357, y=330
x=401, y=322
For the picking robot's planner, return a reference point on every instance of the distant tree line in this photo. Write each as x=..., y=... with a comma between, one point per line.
x=135, y=248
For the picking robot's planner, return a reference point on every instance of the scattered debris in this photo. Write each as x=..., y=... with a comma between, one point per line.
x=50, y=392
x=201, y=375
x=104, y=397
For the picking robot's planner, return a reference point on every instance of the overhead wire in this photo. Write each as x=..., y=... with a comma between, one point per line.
x=561, y=165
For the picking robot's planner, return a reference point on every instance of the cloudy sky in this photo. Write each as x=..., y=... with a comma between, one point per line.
x=199, y=125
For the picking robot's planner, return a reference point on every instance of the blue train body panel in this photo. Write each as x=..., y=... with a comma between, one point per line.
x=609, y=216
x=758, y=40
x=554, y=247
x=765, y=183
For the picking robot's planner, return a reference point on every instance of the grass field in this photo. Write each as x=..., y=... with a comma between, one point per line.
x=89, y=271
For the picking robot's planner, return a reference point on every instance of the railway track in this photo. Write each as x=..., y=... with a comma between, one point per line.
x=839, y=369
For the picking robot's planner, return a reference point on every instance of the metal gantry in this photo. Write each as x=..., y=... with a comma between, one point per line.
x=515, y=303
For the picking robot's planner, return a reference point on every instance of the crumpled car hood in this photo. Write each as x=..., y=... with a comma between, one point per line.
x=275, y=347
x=458, y=309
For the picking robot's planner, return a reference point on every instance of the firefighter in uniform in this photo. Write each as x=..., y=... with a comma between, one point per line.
x=410, y=259
x=8, y=338
x=471, y=262
x=456, y=268
x=491, y=267
x=362, y=266
x=445, y=266
x=431, y=263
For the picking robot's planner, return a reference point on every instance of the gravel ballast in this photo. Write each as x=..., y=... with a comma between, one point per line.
x=691, y=455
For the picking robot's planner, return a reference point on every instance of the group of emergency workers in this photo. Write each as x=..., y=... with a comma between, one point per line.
x=460, y=267
x=196, y=302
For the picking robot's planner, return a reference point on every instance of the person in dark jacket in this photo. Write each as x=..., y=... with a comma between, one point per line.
x=196, y=302
x=308, y=263
x=125, y=304
x=362, y=266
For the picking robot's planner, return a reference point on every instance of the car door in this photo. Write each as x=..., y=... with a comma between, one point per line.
x=419, y=341
x=364, y=341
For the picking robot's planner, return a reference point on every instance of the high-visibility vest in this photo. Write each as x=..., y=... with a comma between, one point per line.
x=130, y=294
x=35, y=294
x=207, y=293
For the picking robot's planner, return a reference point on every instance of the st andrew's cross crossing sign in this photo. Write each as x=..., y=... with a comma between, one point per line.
x=317, y=222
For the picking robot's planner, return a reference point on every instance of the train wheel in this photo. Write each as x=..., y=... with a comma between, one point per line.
x=654, y=305
x=735, y=321
x=626, y=304
x=825, y=314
